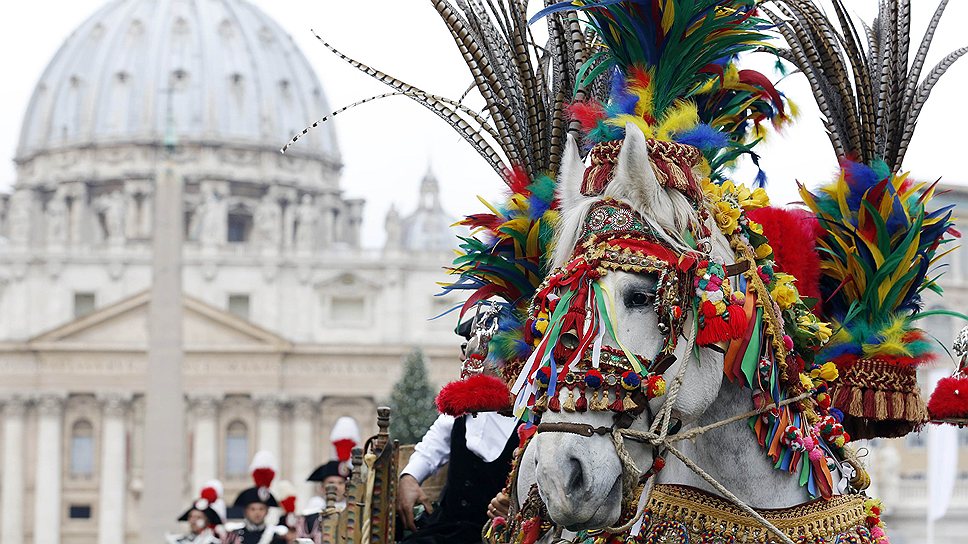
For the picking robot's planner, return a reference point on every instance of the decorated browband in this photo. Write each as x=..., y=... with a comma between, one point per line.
x=572, y=312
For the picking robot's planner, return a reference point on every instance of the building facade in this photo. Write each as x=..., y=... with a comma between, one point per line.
x=288, y=322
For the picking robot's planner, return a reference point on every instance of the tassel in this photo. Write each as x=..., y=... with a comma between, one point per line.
x=628, y=404
x=569, y=404
x=896, y=407
x=714, y=329
x=602, y=404
x=582, y=404
x=855, y=404
x=880, y=402
x=870, y=404
x=737, y=321
x=554, y=404
x=541, y=404
x=617, y=406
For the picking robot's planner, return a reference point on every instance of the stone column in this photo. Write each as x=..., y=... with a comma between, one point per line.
x=47, y=478
x=302, y=440
x=205, y=441
x=164, y=422
x=114, y=468
x=268, y=408
x=12, y=494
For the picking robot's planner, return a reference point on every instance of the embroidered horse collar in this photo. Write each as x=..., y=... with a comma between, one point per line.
x=676, y=514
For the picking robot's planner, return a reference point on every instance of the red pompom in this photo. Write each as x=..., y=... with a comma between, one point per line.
x=793, y=233
x=344, y=448
x=481, y=393
x=950, y=399
x=263, y=476
x=288, y=504
x=209, y=494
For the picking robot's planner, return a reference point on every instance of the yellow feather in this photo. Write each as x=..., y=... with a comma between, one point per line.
x=681, y=117
x=668, y=15
x=621, y=120
x=645, y=95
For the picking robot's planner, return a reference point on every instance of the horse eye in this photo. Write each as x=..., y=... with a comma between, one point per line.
x=639, y=298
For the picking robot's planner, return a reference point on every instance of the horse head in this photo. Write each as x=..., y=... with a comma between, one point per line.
x=636, y=231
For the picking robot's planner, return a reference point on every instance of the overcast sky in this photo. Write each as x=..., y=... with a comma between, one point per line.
x=387, y=146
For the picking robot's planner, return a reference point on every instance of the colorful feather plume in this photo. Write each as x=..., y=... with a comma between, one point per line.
x=880, y=244
x=505, y=258
x=880, y=250
x=674, y=75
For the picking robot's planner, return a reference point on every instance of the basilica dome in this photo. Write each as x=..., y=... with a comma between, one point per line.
x=203, y=72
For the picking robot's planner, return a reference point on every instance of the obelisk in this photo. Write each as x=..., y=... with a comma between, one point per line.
x=164, y=458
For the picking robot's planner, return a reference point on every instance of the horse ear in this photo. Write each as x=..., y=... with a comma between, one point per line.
x=635, y=181
x=570, y=175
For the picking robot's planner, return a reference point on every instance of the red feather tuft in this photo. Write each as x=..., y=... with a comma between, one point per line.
x=210, y=494
x=263, y=476
x=481, y=393
x=344, y=448
x=518, y=180
x=586, y=113
x=639, y=78
x=288, y=504
x=950, y=399
x=793, y=236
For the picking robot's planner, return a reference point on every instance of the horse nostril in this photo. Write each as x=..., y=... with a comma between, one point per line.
x=576, y=482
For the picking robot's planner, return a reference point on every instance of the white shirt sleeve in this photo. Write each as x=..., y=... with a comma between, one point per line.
x=432, y=452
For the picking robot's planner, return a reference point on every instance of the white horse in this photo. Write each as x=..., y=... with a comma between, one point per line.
x=580, y=478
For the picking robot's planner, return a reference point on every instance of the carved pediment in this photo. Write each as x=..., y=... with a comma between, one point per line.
x=124, y=325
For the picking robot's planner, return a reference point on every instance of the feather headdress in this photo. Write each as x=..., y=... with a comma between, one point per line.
x=675, y=76
x=880, y=243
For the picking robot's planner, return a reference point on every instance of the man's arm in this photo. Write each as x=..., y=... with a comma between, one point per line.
x=432, y=452
x=428, y=456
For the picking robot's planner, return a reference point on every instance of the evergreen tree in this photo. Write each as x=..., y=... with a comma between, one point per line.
x=412, y=401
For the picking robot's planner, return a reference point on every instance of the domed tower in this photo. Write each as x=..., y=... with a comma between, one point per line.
x=211, y=88
x=215, y=83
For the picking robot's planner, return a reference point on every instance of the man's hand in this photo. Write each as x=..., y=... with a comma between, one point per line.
x=499, y=506
x=409, y=494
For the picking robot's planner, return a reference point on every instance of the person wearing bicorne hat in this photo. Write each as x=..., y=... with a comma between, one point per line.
x=202, y=517
x=345, y=436
x=255, y=502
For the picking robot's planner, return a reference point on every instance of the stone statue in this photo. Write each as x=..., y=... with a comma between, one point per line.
x=267, y=222
x=394, y=229
x=306, y=217
x=209, y=223
x=111, y=207
x=56, y=220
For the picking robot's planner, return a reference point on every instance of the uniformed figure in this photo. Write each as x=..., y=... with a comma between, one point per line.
x=255, y=503
x=202, y=521
x=325, y=476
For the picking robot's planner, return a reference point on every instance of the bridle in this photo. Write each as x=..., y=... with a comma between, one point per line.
x=619, y=431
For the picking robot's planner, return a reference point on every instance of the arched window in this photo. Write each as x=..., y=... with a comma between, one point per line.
x=82, y=449
x=236, y=450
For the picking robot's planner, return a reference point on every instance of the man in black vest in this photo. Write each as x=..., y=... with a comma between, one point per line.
x=478, y=449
